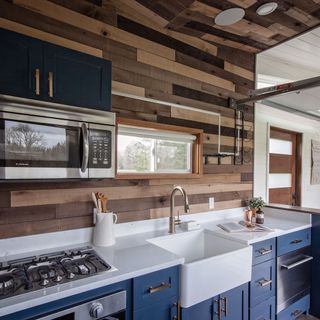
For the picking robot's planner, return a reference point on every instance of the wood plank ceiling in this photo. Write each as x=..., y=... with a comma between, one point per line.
x=254, y=33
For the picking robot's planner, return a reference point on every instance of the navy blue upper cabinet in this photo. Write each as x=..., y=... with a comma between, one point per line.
x=76, y=78
x=20, y=65
x=35, y=69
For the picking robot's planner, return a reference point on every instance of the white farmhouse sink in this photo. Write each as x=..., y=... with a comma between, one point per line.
x=212, y=264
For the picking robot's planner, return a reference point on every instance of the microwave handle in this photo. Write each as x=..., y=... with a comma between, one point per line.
x=85, y=147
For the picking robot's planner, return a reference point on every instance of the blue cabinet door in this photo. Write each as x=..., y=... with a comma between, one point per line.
x=75, y=78
x=165, y=310
x=20, y=65
x=205, y=310
x=234, y=304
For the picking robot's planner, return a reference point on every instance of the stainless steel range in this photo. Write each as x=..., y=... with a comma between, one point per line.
x=34, y=273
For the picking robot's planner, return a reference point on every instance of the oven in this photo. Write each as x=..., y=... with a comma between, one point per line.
x=293, y=277
x=55, y=142
x=110, y=307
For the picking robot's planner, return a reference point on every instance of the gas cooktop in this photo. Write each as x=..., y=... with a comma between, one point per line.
x=33, y=273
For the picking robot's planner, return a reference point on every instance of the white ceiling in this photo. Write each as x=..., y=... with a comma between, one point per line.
x=296, y=59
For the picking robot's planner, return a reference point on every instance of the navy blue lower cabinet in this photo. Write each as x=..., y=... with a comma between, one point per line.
x=165, y=310
x=76, y=78
x=70, y=302
x=231, y=305
x=205, y=310
x=266, y=310
x=263, y=282
x=315, y=284
x=295, y=310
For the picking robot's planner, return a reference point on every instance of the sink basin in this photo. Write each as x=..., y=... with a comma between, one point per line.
x=212, y=264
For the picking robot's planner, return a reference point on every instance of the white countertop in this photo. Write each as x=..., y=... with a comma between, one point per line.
x=132, y=255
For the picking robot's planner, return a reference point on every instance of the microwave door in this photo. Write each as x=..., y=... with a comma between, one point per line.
x=40, y=148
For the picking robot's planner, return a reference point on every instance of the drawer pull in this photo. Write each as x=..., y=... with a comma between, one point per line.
x=225, y=309
x=264, y=282
x=296, y=264
x=297, y=313
x=161, y=287
x=296, y=241
x=265, y=251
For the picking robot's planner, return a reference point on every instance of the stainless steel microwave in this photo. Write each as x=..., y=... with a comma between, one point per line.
x=51, y=141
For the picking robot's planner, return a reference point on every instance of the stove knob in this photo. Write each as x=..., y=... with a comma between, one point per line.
x=44, y=282
x=57, y=278
x=96, y=310
x=70, y=275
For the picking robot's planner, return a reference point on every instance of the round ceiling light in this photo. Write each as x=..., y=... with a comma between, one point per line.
x=267, y=8
x=229, y=16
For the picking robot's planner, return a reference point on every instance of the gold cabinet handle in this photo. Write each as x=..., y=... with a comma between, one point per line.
x=50, y=80
x=162, y=286
x=264, y=282
x=264, y=251
x=37, y=77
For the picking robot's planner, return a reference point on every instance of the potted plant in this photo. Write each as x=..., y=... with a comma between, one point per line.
x=256, y=204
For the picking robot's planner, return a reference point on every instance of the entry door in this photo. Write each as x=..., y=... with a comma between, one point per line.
x=284, y=167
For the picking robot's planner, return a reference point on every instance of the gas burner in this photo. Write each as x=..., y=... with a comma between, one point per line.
x=35, y=273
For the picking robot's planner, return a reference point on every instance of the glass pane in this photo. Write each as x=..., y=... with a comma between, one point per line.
x=135, y=154
x=27, y=141
x=279, y=180
x=173, y=156
x=280, y=146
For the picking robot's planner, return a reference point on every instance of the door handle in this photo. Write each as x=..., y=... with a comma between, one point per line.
x=219, y=312
x=50, y=81
x=225, y=304
x=297, y=313
x=37, y=78
x=85, y=147
x=265, y=251
x=264, y=282
x=296, y=264
x=162, y=286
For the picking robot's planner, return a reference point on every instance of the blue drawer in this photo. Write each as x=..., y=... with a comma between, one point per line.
x=264, y=251
x=296, y=309
x=263, y=282
x=293, y=241
x=155, y=287
x=264, y=311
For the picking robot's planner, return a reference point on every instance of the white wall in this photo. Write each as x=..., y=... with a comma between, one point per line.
x=266, y=116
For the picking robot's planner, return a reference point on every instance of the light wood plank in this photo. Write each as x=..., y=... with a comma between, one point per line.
x=128, y=89
x=60, y=13
x=38, y=34
x=55, y=196
x=165, y=64
x=239, y=71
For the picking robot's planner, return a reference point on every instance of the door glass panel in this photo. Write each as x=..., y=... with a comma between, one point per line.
x=279, y=180
x=278, y=146
x=26, y=144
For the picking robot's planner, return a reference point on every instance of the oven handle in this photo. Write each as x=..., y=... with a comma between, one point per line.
x=85, y=147
x=296, y=264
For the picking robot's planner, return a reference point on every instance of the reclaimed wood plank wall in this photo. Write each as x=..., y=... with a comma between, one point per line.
x=148, y=61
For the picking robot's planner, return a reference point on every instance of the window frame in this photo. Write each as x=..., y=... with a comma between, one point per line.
x=197, y=150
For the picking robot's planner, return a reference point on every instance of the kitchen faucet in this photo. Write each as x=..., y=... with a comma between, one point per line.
x=172, y=220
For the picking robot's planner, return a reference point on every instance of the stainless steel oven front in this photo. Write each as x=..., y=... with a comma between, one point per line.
x=293, y=277
x=111, y=307
x=42, y=142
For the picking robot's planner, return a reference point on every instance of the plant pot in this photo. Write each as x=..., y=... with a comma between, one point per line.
x=260, y=217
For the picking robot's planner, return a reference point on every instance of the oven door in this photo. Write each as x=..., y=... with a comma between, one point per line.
x=111, y=307
x=294, y=277
x=34, y=147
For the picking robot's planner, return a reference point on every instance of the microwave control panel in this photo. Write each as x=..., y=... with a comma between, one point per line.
x=100, y=149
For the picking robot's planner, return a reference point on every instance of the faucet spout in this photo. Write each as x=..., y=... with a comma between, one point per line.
x=173, y=221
